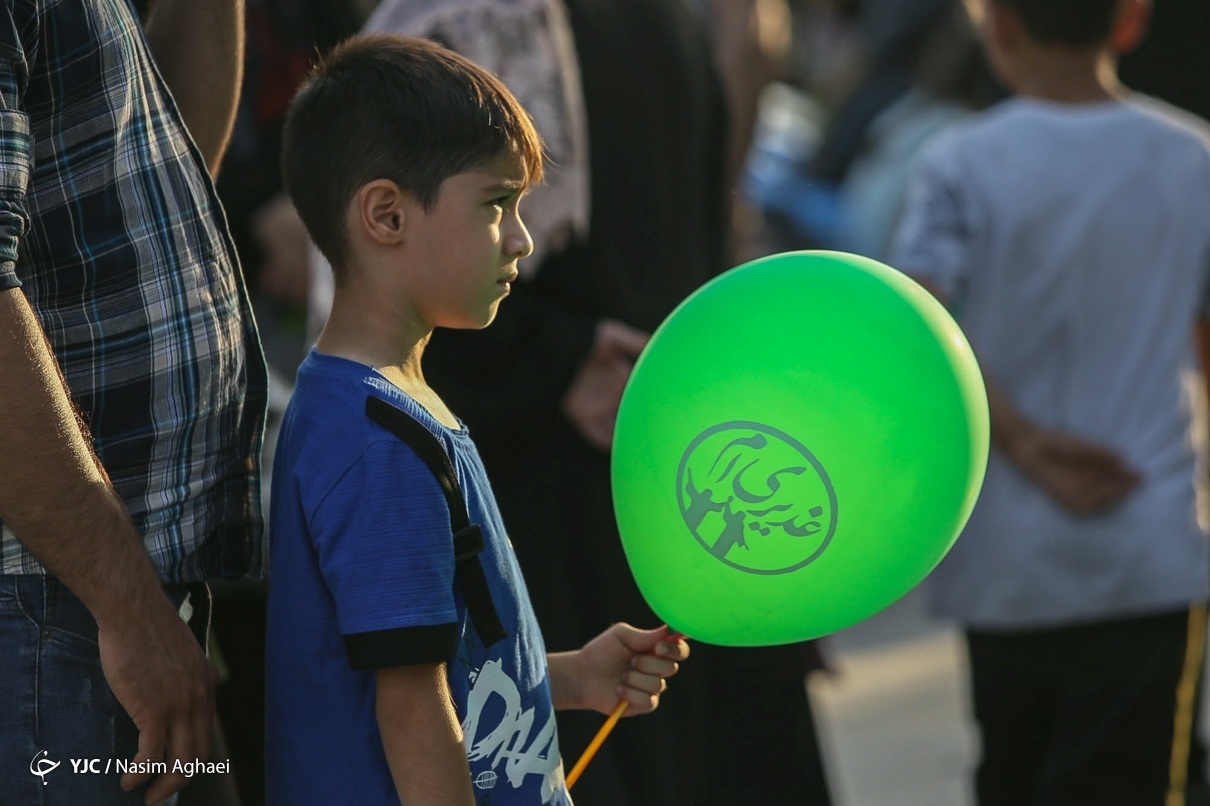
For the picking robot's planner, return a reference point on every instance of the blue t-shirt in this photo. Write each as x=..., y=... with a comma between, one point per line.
x=362, y=564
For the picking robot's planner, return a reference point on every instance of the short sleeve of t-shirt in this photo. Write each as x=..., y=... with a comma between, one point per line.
x=933, y=238
x=385, y=548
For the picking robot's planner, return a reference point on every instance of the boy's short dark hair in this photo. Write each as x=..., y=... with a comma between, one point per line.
x=1073, y=23
x=397, y=108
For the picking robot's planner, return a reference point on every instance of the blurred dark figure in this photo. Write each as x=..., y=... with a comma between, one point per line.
x=894, y=32
x=910, y=69
x=283, y=39
x=899, y=36
x=1174, y=64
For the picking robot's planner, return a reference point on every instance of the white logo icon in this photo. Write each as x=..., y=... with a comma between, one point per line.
x=44, y=766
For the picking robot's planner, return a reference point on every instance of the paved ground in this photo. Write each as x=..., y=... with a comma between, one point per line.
x=893, y=719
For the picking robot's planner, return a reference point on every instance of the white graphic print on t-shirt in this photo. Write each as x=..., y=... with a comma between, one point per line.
x=513, y=740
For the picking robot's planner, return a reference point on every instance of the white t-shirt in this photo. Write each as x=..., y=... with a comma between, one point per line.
x=1074, y=244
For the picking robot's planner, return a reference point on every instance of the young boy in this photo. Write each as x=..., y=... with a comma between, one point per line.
x=1069, y=229
x=389, y=677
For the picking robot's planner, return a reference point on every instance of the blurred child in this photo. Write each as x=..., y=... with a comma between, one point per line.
x=1067, y=229
x=403, y=661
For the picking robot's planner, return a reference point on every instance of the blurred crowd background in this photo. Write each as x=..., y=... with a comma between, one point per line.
x=829, y=104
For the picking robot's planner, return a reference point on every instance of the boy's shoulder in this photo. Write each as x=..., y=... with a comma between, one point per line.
x=970, y=138
x=1180, y=124
x=1002, y=123
x=327, y=430
x=328, y=402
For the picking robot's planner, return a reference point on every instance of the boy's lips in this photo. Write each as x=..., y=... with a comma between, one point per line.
x=510, y=277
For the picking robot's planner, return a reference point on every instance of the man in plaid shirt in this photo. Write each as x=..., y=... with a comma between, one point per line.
x=132, y=391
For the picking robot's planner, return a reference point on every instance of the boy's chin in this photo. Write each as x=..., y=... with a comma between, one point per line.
x=488, y=316
x=477, y=320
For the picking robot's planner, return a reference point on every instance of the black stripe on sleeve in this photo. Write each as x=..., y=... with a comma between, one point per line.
x=403, y=646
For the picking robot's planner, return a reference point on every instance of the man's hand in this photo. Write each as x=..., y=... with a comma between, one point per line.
x=622, y=663
x=57, y=499
x=161, y=677
x=1082, y=477
x=591, y=404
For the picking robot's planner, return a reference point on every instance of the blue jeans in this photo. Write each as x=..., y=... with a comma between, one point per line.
x=55, y=705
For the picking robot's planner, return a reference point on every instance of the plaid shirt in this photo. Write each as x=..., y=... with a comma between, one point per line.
x=110, y=225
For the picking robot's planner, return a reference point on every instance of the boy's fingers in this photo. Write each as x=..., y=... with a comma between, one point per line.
x=1113, y=494
x=677, y=650
x=640, y=642
x=1090, y=498
x=646, y=683
x=1085, y=454
x=641, y=702
x=650, y=664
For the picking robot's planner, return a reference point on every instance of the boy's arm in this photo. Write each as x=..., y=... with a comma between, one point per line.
x=621, y=663
x=934, y=239
x=1083, y=477
x=381, y=536
x=421, y=736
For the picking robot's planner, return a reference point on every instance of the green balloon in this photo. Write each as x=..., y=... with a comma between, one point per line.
x=798, y=447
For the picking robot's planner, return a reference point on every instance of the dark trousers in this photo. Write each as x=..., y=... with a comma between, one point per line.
x=55, y=703
x=1085, y=714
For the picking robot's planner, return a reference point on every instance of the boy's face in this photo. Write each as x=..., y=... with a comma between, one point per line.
x=468, y=245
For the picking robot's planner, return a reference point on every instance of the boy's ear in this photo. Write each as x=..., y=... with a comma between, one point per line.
x=1130, y=26
x=382, y=212
x=1003, y=27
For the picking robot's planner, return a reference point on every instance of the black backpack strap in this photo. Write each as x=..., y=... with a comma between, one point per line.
x=468, y=537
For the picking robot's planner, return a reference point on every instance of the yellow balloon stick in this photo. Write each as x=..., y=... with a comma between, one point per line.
x=596, y=743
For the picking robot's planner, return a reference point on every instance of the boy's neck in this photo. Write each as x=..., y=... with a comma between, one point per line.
x=390, y=338
x=386, y=336
x=1066, y=76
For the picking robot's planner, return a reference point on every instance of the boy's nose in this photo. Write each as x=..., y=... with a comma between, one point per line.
x=518, y=243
